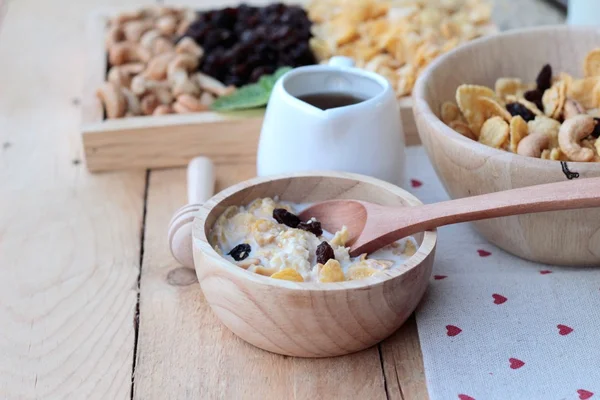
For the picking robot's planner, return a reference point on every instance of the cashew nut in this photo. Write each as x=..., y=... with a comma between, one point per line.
x=149, y=37
x=133, y=103
x=167, y=24
x=181, y=84
x=113, y=99
x=533, y=144
x=126, y=52
x=572, y=132
x=157, y=67
x=188, y=45
x=183, y=26
x=572, y=108
x=207, y=99
x=185, y=62
x=149, y=103
x=164, y=95
x=191, y=103
x=141, y=85
x=135, y=29
x=212, y=85
x=163, y=109
x=162, y=45
x=114, y=35
x=117, y=76
x=121, y=74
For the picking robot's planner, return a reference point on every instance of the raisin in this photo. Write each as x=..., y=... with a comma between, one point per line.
x=324, y=253
x=535, y=96
x=596, y=132
x=240, y=252
x=251, y=40
x=544, y=78
x=312, y=226
x=285, y=217
x=520, y=109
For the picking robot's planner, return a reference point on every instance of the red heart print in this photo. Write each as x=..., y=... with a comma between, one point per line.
x=452, y=330
x=415, y=183
x=483, y=253
x=499, y=299
x=439, y=277
x=465, y=397
x=564, y=330
x=584, y=394
x=544, y=272
x=515, y=363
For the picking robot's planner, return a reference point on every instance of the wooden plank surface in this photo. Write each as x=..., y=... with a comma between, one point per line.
x=70, y=247
x=69, y=241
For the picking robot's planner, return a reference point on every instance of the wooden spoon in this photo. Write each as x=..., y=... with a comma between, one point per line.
x=372, y=226
x=201, y=186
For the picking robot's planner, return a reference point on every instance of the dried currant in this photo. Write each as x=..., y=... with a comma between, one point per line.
x=243, y=43
x=240, y=252
x=544, y=78
x=520, y=109
x=534, y=96
x=596, y=132
x=285, y=217
x=324, y=253
x=312, y=226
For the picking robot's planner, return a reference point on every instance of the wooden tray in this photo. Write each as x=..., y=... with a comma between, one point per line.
x=172, y=140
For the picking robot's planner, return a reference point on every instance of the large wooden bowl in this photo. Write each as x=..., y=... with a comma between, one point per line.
x=468, y=168
x=310, y=319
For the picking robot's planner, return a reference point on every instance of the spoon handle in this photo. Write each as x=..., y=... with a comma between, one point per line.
x=582, y=193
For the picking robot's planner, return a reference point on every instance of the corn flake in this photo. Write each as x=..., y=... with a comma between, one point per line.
x=360, y=271
x=585, y=91
x=494, y=132
x=591, y=64
x=450, y=112
x=478, y=103
x=288, y=274
x=409, y=249
x=518, y=130
x=462, y=128
x=508, y=86
x=331, y=271
x=554, y=99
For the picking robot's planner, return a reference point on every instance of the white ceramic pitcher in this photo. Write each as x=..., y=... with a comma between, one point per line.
x=364, y=138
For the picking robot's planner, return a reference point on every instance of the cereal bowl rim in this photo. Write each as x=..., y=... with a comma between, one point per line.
x=421, y=106
x=201, y=243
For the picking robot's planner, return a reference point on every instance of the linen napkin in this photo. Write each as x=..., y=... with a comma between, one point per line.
x=494, y=326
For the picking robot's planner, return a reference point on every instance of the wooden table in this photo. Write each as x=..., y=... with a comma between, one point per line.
x=92, y=305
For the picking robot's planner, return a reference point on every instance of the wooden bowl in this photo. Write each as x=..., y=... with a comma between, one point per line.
x=468, y=168
x=310, y=319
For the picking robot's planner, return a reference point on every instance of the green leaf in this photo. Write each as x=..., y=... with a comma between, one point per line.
x=249, y=96
x=253, y=95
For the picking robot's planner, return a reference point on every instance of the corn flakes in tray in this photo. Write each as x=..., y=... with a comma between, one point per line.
x=395, y=38
x=554, y=118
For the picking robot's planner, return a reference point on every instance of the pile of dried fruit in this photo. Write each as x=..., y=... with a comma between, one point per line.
x=244, y=43
x=166, y=60
x=395, y=38
x=555, y=118
x=150, y=74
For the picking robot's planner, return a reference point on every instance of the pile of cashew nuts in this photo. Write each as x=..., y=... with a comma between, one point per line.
x=150, y=74
x=575, y=138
